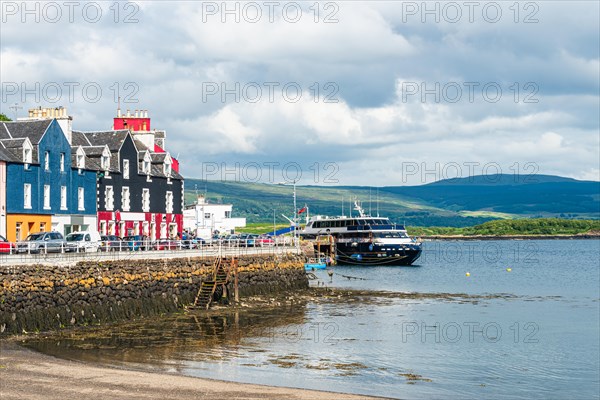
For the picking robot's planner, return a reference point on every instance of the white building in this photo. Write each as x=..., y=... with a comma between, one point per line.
x=206, y=219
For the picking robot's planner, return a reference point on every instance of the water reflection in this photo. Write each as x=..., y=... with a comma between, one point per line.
x=172, y=340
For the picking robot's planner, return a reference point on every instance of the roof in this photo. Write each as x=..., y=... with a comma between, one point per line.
x=158, y=158
x=93, y=151
x=113, y=139
x=13, y=150
x=157, y=170
x=6, y=155
x=79, y=139
x=34, y=130
x=13, y=143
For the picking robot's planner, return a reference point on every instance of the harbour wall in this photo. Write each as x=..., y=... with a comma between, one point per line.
x=36, y=298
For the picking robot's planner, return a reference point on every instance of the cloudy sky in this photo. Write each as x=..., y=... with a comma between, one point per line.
x=373, y=93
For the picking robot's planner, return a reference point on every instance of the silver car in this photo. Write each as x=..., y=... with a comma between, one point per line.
x=42, y=242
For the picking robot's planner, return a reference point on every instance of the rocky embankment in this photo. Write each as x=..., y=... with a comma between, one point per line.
x=38, y=297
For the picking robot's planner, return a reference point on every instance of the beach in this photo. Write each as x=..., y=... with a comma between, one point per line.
x=25, y=374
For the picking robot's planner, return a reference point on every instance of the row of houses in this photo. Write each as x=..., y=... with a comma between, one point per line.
x=120, y=181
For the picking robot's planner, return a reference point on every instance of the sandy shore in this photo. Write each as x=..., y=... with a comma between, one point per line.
x=25, y=374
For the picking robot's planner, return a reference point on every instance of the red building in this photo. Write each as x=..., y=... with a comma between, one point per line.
x=139, y=123
x=139, y=189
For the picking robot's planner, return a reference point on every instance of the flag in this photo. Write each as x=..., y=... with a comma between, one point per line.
x=303, y=209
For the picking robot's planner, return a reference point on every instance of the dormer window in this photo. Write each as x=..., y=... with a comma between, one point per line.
x=80, y=159
x=27, y=156
x=146, y=164
x=105, y=162
x=167, y=168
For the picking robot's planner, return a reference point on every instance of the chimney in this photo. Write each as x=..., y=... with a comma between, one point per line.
x=137, y=114
x=128, y=113
x=64, y=121
x=119, y=112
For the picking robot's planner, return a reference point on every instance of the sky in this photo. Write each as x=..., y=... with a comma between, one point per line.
x=377, y=93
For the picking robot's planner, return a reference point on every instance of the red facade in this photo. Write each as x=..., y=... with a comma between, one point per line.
x=154, y=225
x=132, y=123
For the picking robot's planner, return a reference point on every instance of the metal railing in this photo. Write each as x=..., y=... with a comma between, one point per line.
x=68, y=252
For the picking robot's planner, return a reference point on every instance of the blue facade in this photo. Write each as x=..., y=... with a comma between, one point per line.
x=53, y=144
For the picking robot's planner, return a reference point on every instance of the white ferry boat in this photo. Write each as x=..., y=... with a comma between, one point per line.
x=365, y=240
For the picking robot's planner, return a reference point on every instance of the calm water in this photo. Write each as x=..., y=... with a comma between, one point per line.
x=533, y=332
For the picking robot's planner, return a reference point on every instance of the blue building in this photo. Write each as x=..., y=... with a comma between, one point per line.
x=44, y=188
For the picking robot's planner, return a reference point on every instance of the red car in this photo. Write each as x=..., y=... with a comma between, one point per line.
x=264, y=240
x=6, y=246
x=166, y=244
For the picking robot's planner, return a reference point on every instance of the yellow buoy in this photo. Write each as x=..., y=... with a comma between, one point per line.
x=508, y=269
x=468, y=274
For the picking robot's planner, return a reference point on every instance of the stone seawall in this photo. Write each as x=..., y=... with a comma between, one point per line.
x=37, y=298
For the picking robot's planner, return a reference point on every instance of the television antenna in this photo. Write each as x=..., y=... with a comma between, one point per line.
x=16, y=107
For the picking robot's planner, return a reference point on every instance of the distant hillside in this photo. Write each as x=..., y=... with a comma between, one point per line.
x=539, y=195
x=502, y=179
x=454, y=203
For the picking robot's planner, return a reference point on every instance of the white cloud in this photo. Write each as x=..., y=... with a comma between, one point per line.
x=368, y=54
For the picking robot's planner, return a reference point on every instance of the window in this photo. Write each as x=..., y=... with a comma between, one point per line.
x=146, y=200
x=27, y=195
x=125, y=199
x=105, y=162
x=46, y=197
x=80, y=161
x=146, y=167
x=207, y=215
x=62, y=162
x=80, y=199
x=125, y=169
x=63, y=197
x=169, y=202
x=47, y=161
x=109, y=198
x=227, y=214
x=27, y=157
x=18, y=231
x=167, y=168
x=42, y=227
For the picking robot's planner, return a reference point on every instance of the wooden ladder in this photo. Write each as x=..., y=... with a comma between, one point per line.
x=220, y=277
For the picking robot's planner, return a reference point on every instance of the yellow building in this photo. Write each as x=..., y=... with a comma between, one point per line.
x=18, y=226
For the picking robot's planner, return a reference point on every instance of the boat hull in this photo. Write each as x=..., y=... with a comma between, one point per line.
x=369, y=254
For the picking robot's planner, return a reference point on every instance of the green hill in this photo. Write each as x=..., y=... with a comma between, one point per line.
x=453, y=203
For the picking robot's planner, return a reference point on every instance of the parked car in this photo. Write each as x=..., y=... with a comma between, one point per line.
x=137, y=242
x=248, y=239
x=44, y=242
x=231, y=240
x=83, y=241
x=6, y=246
x=264, y=241
x=166, y=244
x=111, y=243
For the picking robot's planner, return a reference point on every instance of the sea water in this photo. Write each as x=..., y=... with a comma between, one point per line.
x=487, y=319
